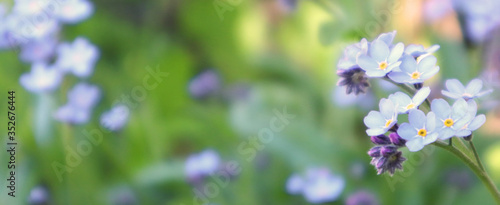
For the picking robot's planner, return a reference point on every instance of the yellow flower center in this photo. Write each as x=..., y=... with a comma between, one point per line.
x=422, y=132
x=382, y=65
x=448, y=122
x=388, y=123
x=410, y=106
x=415, y=75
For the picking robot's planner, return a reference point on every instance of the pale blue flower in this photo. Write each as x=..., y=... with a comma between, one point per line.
x=39, y=195
x=419, y=131
x=74, y=11
x=416, y=51
x=204, y=84
x=380, y=59
x=38, y=50
x=81, y=100
x=379, y=122
x=470, y=122
x=447, y=118
x=351, y=53
x=404, y=103
x=30, y=7
x=457, y=90
x=116, y=118
x=387, y=38
x=295, y=184
x=27, y=28
x=78, y=57
x=413, y=71
x=318, y=185
x=42, y=78
x=202, y=164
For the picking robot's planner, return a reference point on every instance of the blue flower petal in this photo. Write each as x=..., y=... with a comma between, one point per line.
x=406, y=131
x=430, y=122
x=477, y=122
x=379, y=51
x=374, y=119
x=367, y=63
x=416, y=118
x=408, y=64
x=446, y=133
x=441, y=108
x=415, y=144
x=426, y=64
x=375, y=73
x=399, y=77
x=387, y=108
x=430, y=73
x=387, y=38
x=454, y=86
x=401, y=101
x=451, y=95
x=463, y=133
x=375, y=131
x=459, y=109
x=484, y=93
x=396, y=52
x=474, y=86
x=421, y=95
x=430, y=138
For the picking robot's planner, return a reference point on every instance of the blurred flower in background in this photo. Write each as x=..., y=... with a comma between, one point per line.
x=318, y=185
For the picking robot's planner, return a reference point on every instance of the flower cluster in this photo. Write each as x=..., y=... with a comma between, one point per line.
x=318, y=185
x=34, y=27
x=408, y=68
x=383, y=58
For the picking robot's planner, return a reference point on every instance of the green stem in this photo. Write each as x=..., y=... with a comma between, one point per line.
x=481, y=174
x=476, y=155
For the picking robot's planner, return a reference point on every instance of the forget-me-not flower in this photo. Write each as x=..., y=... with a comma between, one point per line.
x=404, y=103
x=78, y=57
x=419, y=131
x=38, y=50
x=379, y=122
x=470, y=122
x=81, y=100
x=351, y=53
x=319, y=185
x=415, y=72
x=42, y=78
x=74, y=11
x=416, y=51
x=201, y=165
x=447, y=118
x=380, y=59
x=457, y=90
x=116, y=118
x=204, y=84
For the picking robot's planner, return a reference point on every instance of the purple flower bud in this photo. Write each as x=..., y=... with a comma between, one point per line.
x=381, y=140
x=388, y=151
x=374, y=152
x=397, y=140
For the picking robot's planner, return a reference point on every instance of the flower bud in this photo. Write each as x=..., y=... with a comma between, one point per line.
x=374, y=152
x=397, y=140
x=381, y=140
x=388, y=151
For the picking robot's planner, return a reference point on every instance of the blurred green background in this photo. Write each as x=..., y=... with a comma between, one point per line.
x=268, y=57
